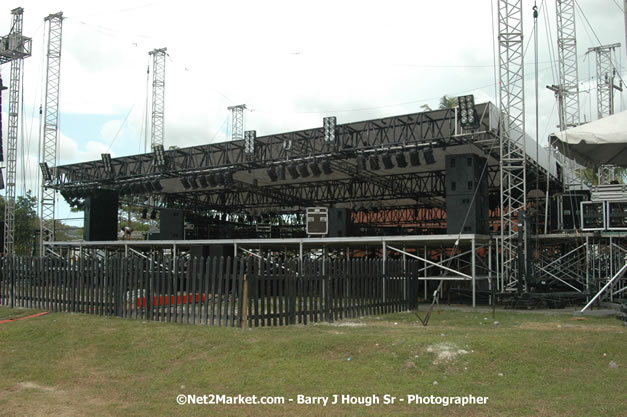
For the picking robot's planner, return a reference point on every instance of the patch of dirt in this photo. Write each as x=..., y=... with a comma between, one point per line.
x=445, y=352
x=344, y=324
x=555, y=326
x=32, y=385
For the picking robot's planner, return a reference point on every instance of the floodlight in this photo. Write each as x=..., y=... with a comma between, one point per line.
x=329, y=124
x=387, y=161
x=202, y=180
x=45, y=171
x=315, y=169
x=468, y=114
x=193, y=182
x=106, y=160
x=250, y=137
x=272, y=174
x=220, y=178
x=428, y=154
x=374, y=162
x=159, y=155
x=185, y=183
x=326, y=167
x=414, y=157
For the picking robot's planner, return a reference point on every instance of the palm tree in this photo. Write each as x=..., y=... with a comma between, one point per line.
x=446, y=102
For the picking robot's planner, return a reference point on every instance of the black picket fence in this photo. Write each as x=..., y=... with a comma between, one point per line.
x=236, y=292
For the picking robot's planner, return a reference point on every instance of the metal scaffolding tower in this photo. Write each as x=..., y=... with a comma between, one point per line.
x=512, y=138
x=158, y=96
x=606, y=57
x=567, y=58
x=238, y=121
x=13, y=48
x=50, y=133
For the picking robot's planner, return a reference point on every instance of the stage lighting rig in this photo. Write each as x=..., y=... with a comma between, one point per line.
x=361, y=162
x=211, y=179
x=315, y=169
x=414, y=157
x=303, y=170
x=374, y=162
x=401, y=162
x=159, y=156
x=185, y=183
x=428, y=154
x=193, y=183
x=386, y=158
x=272, y=174
x=326, y=167
x=250, y=136
x=228, y=178
x=468, y=114
x=330, y=124
x=293, y=170
x=202, y=180
x=281, y=173
x=106, y=161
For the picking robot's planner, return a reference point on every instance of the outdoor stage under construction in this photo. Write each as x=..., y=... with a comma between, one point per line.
x=416, y=186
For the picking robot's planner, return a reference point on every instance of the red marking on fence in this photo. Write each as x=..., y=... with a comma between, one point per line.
x=24, y=318
x=165, y=300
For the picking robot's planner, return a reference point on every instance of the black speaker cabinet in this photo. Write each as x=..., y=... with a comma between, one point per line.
x=464, y=180
x=101, y=216
x=171, y=223
x=339, y=222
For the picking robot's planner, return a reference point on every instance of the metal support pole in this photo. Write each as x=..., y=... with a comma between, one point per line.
x=473, y=245
x=425, y=269
x=490, y=285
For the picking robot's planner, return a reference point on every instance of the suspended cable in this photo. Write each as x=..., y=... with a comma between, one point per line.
x=120, y=128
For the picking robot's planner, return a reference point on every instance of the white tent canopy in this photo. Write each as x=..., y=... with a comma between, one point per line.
x=602, y=142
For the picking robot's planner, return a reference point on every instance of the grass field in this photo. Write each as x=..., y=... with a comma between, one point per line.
x=528, y=364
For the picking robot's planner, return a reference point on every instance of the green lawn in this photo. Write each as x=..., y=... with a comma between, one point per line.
x=528, y=365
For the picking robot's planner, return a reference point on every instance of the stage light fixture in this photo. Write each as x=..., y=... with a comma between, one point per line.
x=326, y=167
x=362, y=163
x=220, y=178
x=428, y=155
x=281, y=173
x=374, y=162
x=193, y=183
x=386, y=158
x=291, y=168
x=250, y=136
x=45, y=171
x=468, y=114
x=106, y=161
x=401, y=162
x=315, y=169
x=202, y=180
x=228, y=178
x=414, y=157
x=211, y=179
x=159, y=155
x=145, y=213
x=185, y=183
x=272, y=174
x=329, y=124
x=303, y=170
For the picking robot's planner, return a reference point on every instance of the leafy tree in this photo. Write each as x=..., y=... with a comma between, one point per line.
x=446, y=102
x=26, y=223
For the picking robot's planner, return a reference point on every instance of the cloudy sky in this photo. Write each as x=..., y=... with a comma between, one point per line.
x=291, y=62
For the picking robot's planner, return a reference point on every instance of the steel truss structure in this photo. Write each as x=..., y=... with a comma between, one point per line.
x=513, y=153
x=606, y=68
x=237, y=121
x=51, y=122
x=13, y=48
x=158, y=96
x=567, y=59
